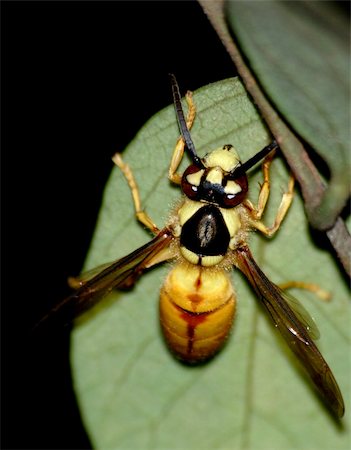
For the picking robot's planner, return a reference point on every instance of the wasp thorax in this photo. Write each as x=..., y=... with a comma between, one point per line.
x=215, y=180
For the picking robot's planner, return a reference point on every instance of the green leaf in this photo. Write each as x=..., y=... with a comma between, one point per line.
x=300, y=53
x=131, y=391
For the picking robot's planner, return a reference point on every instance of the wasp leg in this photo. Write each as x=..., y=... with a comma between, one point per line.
x=257, y=212
x=141, y=215
x=178, y=151
x=282, y=210
x=312, y=287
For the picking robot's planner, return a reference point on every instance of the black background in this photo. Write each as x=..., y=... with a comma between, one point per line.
x=78, y=81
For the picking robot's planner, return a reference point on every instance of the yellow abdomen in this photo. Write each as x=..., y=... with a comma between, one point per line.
x=197, y=307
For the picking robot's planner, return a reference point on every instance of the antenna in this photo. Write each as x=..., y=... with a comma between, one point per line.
x=182, y=122
x=240, y=170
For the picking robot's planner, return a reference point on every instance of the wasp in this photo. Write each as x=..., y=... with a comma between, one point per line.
x=206, y=235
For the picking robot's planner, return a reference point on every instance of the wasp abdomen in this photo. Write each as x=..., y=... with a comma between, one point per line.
x=197, y=307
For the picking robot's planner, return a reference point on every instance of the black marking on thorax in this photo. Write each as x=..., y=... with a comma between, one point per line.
x=206, y=233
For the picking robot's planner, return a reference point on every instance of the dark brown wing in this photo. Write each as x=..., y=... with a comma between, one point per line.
x=121, y=273
x=293, y=331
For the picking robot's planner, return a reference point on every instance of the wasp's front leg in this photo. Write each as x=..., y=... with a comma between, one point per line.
x=178, y=151
x=256, y=212
x=141, y=215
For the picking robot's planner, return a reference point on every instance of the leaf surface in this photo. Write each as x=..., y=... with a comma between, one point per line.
x=131, y=391
x=300, y=53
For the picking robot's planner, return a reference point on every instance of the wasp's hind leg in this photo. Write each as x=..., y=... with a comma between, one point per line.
x=178, y=151
x=256, y=212
x=141, y=215
x=314, y=288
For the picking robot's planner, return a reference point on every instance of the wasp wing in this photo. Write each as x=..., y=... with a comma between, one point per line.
x=83, y=278
x=301, y=313
x=121, y=273
x=293, y=331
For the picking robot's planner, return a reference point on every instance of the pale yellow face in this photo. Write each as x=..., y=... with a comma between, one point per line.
x=220, y=161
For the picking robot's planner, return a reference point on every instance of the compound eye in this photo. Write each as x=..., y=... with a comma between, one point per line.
x=235, y=192
x=191, y=181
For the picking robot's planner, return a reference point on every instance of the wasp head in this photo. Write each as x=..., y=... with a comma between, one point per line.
x=216, y=179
